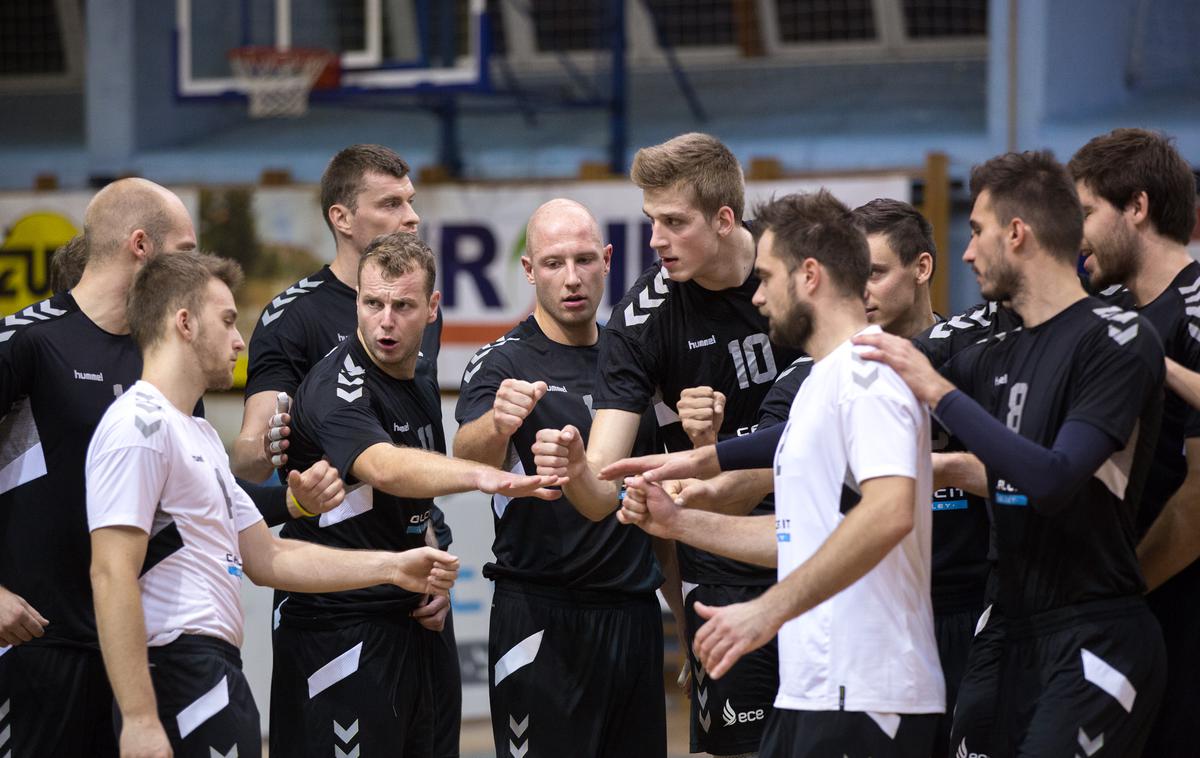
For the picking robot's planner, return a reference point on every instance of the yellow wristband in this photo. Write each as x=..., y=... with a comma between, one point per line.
x=295, y=502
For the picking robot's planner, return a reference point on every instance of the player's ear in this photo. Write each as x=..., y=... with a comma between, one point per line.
x=527, y=264
x=725, y=220
x=435, y=301
x=1139, y=207
x=924, y=267
x=140, y=245
x=810, y=274
x=339, y=217
x=607, y=257
x=184, y=322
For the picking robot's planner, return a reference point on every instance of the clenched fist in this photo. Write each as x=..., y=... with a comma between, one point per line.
x=702, y=411
x=514, y=402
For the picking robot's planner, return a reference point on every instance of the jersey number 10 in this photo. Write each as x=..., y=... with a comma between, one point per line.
x=753, y=353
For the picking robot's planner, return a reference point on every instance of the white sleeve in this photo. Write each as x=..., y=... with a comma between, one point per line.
x=245, y=513
x=124, y=486
x=881, y=428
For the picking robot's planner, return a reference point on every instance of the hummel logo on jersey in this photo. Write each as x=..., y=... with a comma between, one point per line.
x=745, y=717
x=962, y=751
x=1001, y=380
x=1121, y=331
x=88, y=377
x=198, y=458
x=635, y=312
x=702, y=343
x=275, y=308
x=555, y=388
x=343, y=337
x=351, y=376
x=397, y=428
x=42, y=311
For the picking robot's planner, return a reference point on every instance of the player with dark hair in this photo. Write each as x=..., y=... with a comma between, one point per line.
x=688, y=321
x=1063, y=413
x=172, y=533
x=366, y=191
x=578, y=612
x=850, y=534
x=66, y=265
x=355, y=670
x=1139, y=207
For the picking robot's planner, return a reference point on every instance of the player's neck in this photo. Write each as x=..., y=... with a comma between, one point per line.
x=1160, y=262
x=574, y=335
x=345, y=266
x=732, y=264
x=101, y=294
x=919, y=318
x=836, y=323
x=171, y=368
x=1047, y=290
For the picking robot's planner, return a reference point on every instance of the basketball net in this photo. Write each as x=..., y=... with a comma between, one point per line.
x=278, y=82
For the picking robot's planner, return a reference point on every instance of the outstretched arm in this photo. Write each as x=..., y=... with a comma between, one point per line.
x=415, y=473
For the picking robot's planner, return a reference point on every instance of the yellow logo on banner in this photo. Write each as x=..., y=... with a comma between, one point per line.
x=25, y=258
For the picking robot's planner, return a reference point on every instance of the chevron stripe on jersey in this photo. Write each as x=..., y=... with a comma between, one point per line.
x=351, y=375
x=1191, y=298
x=654, y=295
x=42, y=311
x=276, y=307
x=476, y=361
x=981, y=317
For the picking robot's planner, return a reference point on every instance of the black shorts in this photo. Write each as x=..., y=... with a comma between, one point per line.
x=728, y=714
x=447, y=690
x=823, y=734
x=576, y=674
x=1174, y=605
x=204, y=700
x=953, y=632
x=363, y=686
x=1064, y=684
x=55, y=702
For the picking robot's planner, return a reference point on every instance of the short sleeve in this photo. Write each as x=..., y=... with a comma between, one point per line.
x=1107, y=376
x=278, y=357
x=124, y=486
x=1189, y=358
x=17, y=365
x=481, y=379
x=777, y=405
x=881, y=427
x=346, y=431
x=245, y=512
x=628, y=373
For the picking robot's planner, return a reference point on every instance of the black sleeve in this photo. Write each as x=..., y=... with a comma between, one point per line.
x=755, y=450
x=777, y=405
x=1048, y=476
x=628, y=372
x=431, y=344
x=346, y=429
x=269, y=499
x=481, y=379
x=1189, y=358
x=17, y=364
x=278, y=356
x=1110, y=380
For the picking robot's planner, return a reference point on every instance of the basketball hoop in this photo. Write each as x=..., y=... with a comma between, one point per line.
x=277, y=82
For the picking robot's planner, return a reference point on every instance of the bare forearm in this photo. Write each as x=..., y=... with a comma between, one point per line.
x=592, y=497
x=743, y=538
x=122, y=632
x=297, y=566
x=672, y=587
x=1173, y=541
x=479, y=440
x=961, y=470
x=870, y=530
x=248, y=460
x=736, y=493
x=414, y=473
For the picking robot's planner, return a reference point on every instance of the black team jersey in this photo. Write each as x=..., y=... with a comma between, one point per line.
x=1180, y=333
x=345, y=405
x=59, y=372
x=1094, y=363
x=961, y=521
x=550, y=542
x=666, y=336
x=302, y=324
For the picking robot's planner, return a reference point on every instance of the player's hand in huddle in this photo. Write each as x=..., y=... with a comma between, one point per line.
x=432, y=615
x=701, y=463
x=425, y=570
x=692, y=493
x=910, y=363
x=731, y=631
x=560, y=453
x=513, y=404
x=649, y=507
x=318, y=489
x=19, y=621
x=702, y=411
x=275, y=440
x=492, y=481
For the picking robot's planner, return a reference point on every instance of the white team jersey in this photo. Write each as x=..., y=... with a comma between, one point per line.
x=870, y=647
x=153, y=467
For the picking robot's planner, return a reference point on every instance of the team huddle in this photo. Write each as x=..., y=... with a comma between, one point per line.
x=883, y=532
